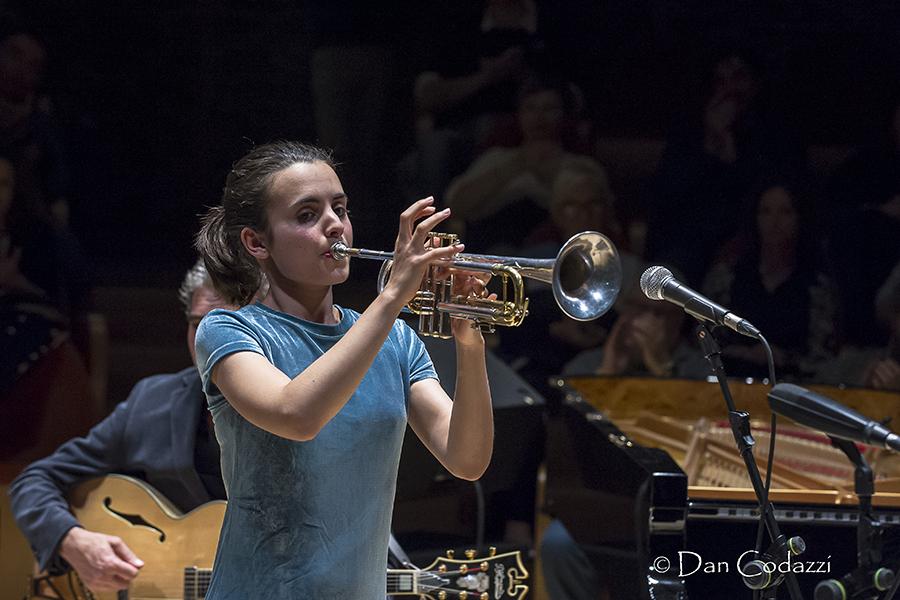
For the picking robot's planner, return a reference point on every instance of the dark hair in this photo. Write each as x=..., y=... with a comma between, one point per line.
x=235, y=274
x=810, y=250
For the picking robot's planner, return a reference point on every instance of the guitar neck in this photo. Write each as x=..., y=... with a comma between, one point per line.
x=400, y=582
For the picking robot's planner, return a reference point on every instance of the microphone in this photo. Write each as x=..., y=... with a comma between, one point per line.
x=828, y=416
x=658, y=283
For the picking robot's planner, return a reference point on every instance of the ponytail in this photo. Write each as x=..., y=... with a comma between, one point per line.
x=234, y=273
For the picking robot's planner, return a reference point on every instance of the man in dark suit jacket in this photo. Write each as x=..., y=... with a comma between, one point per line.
x=160, y=434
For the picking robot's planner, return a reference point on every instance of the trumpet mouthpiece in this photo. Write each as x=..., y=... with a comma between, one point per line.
x=339, y=250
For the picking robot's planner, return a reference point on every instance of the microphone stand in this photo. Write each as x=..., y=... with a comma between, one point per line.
x=868, y=529
x=740, y=427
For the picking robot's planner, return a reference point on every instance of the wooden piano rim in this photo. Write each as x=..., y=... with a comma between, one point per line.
x=820, y=497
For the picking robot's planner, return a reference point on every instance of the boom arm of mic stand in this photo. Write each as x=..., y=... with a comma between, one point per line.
x=740, y=427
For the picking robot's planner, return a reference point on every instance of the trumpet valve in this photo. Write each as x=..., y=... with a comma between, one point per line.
x=423, y=302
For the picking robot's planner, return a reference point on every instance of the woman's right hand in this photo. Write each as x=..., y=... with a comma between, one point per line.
x=411, y=254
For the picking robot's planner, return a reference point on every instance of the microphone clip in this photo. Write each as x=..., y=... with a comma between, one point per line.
x=763, y=573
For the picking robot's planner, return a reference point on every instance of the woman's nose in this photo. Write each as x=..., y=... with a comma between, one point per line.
x=334, y=227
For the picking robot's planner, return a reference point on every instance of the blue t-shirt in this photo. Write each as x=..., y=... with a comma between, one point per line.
x=308, y=519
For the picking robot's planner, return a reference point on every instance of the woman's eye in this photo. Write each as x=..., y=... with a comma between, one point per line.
x=305, y=217
x=341, y=211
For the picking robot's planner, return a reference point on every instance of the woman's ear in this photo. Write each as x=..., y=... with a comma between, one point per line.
x=254, y=243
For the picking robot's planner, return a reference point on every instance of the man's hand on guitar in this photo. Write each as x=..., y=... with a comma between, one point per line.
x=103, y=562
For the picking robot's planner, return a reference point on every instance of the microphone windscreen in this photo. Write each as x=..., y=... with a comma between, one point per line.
x=825, y=414
x=653, y=280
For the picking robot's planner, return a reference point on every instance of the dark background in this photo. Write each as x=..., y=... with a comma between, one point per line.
x=156, y=99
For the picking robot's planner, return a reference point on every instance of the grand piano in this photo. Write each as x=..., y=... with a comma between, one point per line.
x=646, y=476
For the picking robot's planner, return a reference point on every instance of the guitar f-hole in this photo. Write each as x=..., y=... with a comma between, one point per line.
x=136, y=520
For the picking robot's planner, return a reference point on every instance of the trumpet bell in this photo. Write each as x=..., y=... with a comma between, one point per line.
x=587, y=276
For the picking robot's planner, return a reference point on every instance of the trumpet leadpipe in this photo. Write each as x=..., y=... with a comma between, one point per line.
x=539, y=269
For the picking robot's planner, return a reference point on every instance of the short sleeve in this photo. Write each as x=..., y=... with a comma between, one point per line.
x=222, y=333
x=417, y=358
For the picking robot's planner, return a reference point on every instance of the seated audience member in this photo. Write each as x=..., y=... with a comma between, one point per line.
x=136, y=439
x=39, y=261
x=712, y=157
x=581, y=201
x=779, y=283
x=876, y=366
x=647, y=338
x=34, y=157
x=29, y=136
x=465, y=99
x=39, y=282
x=508, y=190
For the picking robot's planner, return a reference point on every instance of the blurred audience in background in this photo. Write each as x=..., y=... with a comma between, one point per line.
x=648, y=338
x=864, y=226
x=39, y=260
x=495, y=105
x=507, y=191
x=875, y=365
x=29, y=136
x=776, y=274
x=31, y=323
x=712, y=157
x=581, y=200
x=44, y=282
x=465, y=99
x=42, y=289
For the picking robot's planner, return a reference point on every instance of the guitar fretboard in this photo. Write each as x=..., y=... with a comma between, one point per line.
x=399, y=582
x=413, y=582
x=196, y=583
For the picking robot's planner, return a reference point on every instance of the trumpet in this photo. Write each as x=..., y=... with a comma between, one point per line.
x=585, y=276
